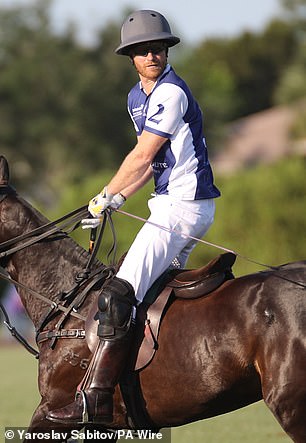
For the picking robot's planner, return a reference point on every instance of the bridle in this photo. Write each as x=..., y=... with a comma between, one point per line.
x=87, y=277
x=18, y=243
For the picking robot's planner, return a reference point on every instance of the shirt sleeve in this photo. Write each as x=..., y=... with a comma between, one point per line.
x=167, y=107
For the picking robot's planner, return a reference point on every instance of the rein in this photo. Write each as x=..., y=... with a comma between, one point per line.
x=44, y=231
x=36, y=294
x=49, y=230
x=16, y=334
x=214, y=245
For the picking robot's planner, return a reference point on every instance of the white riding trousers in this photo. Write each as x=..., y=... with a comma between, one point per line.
x=154, y=249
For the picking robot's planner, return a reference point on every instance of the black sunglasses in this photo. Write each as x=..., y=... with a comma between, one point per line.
x=144, y=50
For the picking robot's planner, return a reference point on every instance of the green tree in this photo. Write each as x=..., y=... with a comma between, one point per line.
x=256, y=61
x=208, y=76
x=103, y=108
x=62, y=106
x=41, y=75
x=235, y=77
x=292, y=86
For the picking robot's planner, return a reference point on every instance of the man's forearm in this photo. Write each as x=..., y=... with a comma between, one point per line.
x=131, y=171
x=136, y=163
x=130, y=190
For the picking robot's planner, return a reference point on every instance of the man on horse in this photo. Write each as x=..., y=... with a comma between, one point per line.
x=171, y=148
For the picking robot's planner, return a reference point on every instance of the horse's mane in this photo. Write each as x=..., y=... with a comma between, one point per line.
x=33, y=213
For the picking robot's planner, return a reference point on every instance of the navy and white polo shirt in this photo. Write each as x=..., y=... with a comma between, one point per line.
x=181, y=167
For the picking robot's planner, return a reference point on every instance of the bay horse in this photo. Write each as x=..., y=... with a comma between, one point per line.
x=244, y=342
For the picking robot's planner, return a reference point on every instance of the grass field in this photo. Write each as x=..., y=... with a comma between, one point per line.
x=19, y=397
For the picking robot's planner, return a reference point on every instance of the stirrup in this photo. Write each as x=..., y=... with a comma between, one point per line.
x=85, y=416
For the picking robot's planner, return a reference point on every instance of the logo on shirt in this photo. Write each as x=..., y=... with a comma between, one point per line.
x=159, y=165
x=137, y=112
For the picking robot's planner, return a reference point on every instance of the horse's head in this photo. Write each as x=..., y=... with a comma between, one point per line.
x=5, y=188
x=16, y=215
x=6, y=192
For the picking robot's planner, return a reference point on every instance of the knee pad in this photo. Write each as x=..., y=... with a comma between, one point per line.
x=115, y=305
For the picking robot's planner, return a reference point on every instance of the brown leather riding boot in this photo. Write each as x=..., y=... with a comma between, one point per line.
x=94, y=402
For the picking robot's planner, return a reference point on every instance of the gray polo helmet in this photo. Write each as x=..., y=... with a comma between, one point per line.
x=144, y=26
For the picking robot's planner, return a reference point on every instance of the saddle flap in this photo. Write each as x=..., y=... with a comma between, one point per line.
x=149, y=319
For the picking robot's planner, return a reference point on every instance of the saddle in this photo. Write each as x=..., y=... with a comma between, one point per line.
x=177, y=283
x=188, y=284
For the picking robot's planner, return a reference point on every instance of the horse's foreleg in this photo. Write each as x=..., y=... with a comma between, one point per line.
x=42, y=430
x=290, y=411
x=61, y=433
x=285, y=395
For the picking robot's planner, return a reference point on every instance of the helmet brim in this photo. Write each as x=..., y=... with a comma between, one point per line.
x=124, y=49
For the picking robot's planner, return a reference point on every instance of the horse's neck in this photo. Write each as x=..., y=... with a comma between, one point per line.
x=48, y=268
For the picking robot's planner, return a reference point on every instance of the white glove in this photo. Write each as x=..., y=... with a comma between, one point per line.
x=98, y=205
x=117, y=201
x=90, y=223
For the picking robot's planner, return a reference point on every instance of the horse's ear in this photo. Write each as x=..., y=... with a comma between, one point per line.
x=4, y=171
